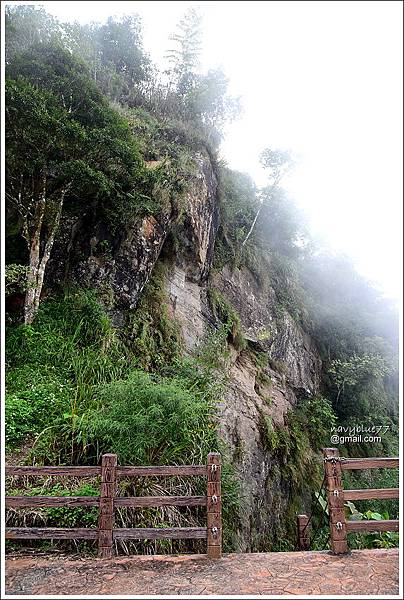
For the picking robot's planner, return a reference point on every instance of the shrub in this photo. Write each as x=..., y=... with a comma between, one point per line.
x=146, y=421
x=223, y=310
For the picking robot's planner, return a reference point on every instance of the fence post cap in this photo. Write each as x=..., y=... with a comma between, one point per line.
x=332, y=451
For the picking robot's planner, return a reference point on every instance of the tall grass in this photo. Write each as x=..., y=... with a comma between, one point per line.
x=75, y=390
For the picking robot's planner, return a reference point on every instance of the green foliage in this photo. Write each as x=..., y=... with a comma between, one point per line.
x=357, y=370
x=15, y=279
x=53, y=364
x=294, y=447
x=184, y=57
x=238, y=201
x=317, y=417
x=148, y=421
x=26, y=26
x=33, y=400
x=387, y=539
x=78, y=408
x=290, y=446
x=152, y=334
x=224, y=312
x=62, y=132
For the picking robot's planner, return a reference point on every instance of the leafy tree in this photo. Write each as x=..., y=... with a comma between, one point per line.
x=208, y=102
x=357, y=370
x=282, y=224
x=26, y=26
x=121, y=46
x=277, y=163
x=63, y=141
x=184, y=57
x=114, y=53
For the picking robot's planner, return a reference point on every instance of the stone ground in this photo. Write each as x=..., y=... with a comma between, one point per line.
x=371, y=572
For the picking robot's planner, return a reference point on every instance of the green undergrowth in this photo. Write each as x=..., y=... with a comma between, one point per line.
x=295, y=449
x=75, y=390
x=152, y=334
x=226, y=314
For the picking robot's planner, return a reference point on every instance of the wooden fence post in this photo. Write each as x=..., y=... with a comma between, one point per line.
x=335, y=498
x=303, y=532
x=214, y=506
x=107, y=495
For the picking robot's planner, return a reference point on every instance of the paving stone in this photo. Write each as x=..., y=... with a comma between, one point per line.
x=363, y=572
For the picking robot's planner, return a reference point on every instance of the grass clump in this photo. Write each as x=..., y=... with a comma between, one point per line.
x=152, y=335
x=53, y=364
x=224, y=312
x=75, y=391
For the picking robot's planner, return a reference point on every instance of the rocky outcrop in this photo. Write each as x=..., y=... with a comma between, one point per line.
x=196, y=235
x=266, y=324
x=120, y=265
x=252, y=395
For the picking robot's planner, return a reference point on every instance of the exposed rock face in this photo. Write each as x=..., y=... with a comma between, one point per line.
x=276, y=333
x=120, y=267
x=189, y=306
x=249, y=400
x=197, y=234
x=121, y=264
x=242, y=411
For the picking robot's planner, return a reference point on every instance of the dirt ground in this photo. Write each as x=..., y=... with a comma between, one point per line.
x=363, y=572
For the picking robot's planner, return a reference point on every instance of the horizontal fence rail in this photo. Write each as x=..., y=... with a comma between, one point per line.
x=161, y=471
x=385, y=525
x=175, y=533
x=50, y=533
x=348, y=464
x=370, y=494
x=336, y=497
x=106, y=502
x=54, y=471
x=161, y=501
x=48, y=501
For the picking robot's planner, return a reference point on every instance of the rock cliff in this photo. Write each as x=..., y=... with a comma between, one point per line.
x=119, y=265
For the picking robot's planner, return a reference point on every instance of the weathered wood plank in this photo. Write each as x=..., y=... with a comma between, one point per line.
x=161, y=471
x=370, y=494
x=54, y=471
x=175, y=533
x=303, y=532
x=36, y=501
x=50, y=533
x=369, y=463
x=214, y=507
x=138, y=501
x=215, y=552
x=106, y=515
x=387, y=525
x=335, y=499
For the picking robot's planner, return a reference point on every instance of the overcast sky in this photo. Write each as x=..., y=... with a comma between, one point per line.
x=321, y=78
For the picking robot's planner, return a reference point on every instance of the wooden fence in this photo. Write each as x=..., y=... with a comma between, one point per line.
x=108, y=500
x=336, y=496
x=334, y=464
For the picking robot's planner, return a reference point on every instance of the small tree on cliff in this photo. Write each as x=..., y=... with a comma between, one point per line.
x=62, y=142
x=277, y=163
x=184, y=57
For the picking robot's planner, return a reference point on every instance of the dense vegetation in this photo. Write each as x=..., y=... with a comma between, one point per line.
x=87, y=111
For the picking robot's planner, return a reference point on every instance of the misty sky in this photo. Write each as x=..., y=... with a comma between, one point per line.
x=323, y=79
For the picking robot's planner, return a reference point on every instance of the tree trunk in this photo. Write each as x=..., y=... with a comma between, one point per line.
x=252, y=227
x=37, y=265
x=34, y=249
x=274, y=185
x=47, y=253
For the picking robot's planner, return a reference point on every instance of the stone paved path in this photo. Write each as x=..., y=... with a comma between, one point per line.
x=364, y=572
